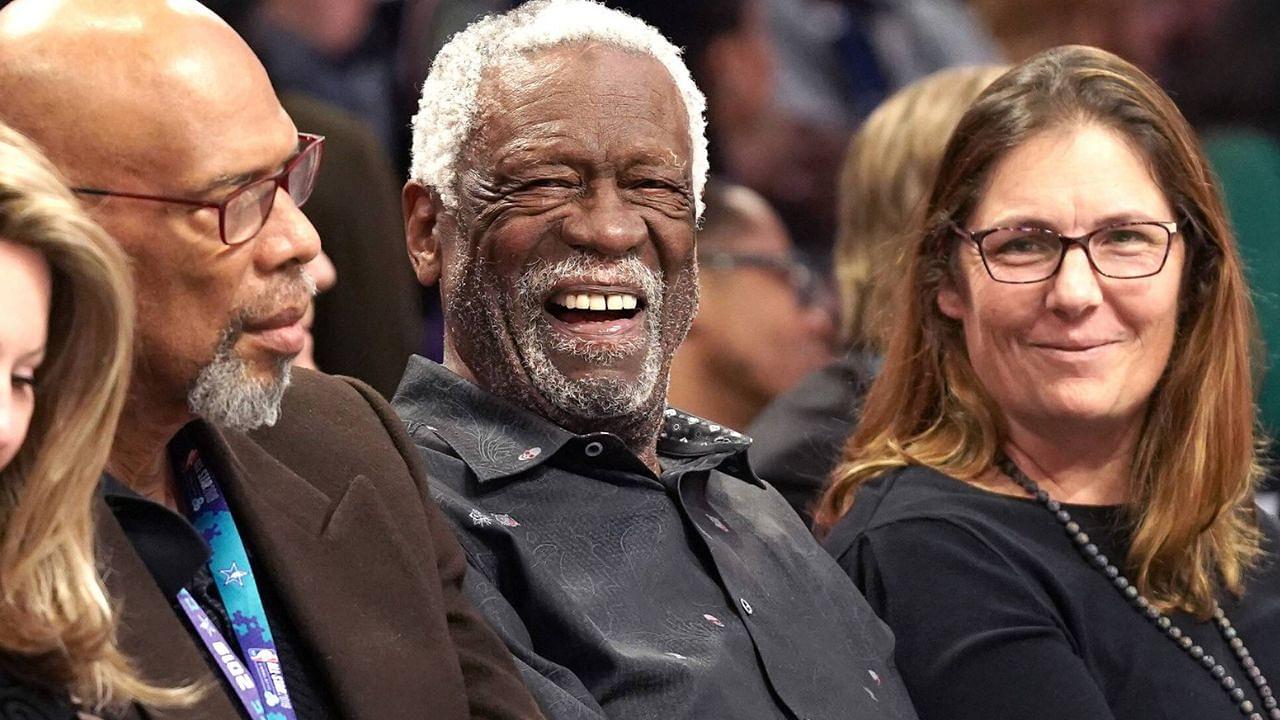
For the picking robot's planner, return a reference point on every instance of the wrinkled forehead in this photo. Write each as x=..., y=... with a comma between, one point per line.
x=583, y=89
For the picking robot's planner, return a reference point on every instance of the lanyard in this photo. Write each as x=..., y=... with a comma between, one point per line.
x=261, y=690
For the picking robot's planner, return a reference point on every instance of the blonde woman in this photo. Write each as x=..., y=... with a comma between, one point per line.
x=888, y=168
x=1050, y=495
x=65, y=332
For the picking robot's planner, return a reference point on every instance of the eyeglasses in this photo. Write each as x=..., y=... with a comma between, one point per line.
x=807, y=285
x=243, y=212
x=1030, y=254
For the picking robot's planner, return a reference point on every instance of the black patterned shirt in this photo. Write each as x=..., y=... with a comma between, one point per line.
x=694, y=593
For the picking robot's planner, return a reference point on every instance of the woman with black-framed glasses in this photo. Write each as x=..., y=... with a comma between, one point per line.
x=1049, y=497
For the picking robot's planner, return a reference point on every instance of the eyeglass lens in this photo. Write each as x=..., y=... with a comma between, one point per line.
x=248, y=210
x=1032, y=254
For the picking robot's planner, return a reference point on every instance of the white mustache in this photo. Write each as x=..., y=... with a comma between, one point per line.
x=537, y=282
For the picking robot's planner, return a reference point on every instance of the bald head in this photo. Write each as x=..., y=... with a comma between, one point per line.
x=738, y=219
x=163, y=112
x=96, y=82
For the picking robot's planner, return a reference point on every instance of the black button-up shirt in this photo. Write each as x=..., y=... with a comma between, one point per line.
x=696, y=593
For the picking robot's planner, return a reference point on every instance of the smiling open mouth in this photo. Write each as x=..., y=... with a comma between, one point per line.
x=596, y=312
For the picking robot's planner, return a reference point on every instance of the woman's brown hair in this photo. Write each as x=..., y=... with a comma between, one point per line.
x=57, y=627
x=1195, y=468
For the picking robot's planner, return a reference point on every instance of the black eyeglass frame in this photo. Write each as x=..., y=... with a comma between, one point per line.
x=807, y=284
x=1171, y=227
x=309, y=144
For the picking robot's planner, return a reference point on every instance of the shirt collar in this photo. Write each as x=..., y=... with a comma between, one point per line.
x=493, y=437
x=168, y=545
x=497, y=439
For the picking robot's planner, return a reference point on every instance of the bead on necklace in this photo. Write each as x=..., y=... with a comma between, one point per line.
x=1094, y=556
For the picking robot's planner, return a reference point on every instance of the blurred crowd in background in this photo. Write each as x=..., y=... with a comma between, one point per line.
x=788, y=82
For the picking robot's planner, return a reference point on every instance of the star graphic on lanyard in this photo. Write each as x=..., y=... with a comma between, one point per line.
x=233, y=574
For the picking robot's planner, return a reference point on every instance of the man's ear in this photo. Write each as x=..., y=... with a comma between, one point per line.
x=422, y=210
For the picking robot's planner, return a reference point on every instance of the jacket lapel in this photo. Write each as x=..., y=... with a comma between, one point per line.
x=341, y=569
x=150, y=632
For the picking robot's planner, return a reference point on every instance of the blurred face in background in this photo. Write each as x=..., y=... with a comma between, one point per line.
x=1078, y=346
x=740, y=70
x=762, y=323
x=25, y=291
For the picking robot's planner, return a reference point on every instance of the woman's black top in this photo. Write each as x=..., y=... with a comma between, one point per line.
x=24, y=701
x=997, y=615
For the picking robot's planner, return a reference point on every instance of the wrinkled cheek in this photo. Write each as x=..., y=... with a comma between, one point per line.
x=679, y=308
x=474, y=314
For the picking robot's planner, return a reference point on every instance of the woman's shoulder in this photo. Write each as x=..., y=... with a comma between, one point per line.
x=922, y=498
x=20, y=700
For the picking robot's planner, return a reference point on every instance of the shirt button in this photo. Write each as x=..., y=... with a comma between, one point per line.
x=746, y=606
x=593, y=449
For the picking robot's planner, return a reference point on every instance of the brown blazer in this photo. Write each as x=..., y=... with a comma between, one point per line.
x=331, y=502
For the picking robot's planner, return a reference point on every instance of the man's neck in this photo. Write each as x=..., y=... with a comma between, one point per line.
x=139, y=454
x=643, y=444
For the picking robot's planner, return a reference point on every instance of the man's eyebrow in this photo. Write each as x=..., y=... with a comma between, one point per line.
x=234, y=180
x=228, y=181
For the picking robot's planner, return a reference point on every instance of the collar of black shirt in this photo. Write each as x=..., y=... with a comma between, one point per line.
x=497, y=439
x=170, y=547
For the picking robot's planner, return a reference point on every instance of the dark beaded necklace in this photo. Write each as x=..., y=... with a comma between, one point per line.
x=1094, y=557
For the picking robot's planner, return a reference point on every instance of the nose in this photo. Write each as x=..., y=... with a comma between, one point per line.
x=286, y=238
x=821, y=325
x=605, y=222
x=1075, y=289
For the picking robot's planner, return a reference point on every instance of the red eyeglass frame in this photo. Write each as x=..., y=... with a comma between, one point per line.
x=309, y=143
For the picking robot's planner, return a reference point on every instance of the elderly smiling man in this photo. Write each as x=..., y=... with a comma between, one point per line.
x=625, y=552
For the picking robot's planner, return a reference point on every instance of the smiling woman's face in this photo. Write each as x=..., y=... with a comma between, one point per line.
x=1078, y=346
x=25, y=289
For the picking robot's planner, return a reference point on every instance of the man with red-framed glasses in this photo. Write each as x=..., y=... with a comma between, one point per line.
x=266, y=538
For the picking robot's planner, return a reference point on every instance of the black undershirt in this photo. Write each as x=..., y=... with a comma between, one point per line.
x=177, y=558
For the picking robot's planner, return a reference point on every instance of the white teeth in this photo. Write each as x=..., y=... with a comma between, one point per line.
x=597, y=301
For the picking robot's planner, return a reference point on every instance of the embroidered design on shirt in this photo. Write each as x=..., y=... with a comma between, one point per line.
x=531, y=453
x=479, y=519
x=683, y=429
x=874, y=676
x=717, y=522
x=233, y=574
x=505, y=520
x=713, y=620
x=873, y=695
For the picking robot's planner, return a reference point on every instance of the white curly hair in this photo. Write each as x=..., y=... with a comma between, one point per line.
x=448, y=109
